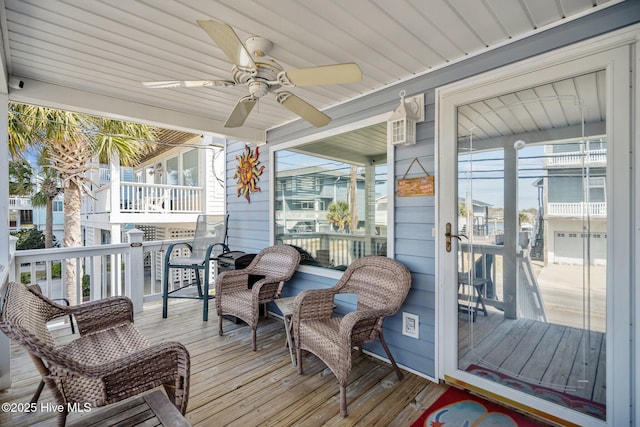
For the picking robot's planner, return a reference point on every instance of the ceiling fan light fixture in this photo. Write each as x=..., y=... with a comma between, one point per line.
x=258, y=89
x=258, y=46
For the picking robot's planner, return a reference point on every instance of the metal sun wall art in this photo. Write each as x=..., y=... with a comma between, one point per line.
x=248, y=172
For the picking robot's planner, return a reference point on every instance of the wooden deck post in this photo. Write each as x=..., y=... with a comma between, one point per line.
x=134, y=266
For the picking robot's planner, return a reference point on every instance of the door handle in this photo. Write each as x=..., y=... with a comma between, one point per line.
x=448, y=236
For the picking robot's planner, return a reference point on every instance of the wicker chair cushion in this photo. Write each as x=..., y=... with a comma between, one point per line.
x=106, y=345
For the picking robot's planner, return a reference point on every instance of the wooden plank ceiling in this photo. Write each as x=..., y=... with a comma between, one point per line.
x=108, y=47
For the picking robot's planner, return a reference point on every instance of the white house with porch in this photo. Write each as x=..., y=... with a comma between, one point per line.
x=181, y=179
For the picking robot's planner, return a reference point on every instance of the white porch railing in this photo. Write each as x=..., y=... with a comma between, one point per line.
x=101, y=271
x=146, y=198
x=579, y=209
x=336, y=249
x=528, y=298
x=575, y=158
x=138, y=197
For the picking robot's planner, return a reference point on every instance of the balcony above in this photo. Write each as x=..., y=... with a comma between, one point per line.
x=20, y=203
x=152, y=203
x=577, y=210
x=576, y=158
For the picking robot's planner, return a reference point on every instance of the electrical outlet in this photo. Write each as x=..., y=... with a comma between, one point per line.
x=410, y=325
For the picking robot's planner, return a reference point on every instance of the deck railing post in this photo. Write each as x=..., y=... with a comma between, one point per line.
x=134, y=286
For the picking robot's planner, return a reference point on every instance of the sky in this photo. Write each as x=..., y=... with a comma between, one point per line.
x=488, y=175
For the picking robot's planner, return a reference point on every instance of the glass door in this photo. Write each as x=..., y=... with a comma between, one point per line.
x=534, y=210
x=532, y=263
x=529, y=243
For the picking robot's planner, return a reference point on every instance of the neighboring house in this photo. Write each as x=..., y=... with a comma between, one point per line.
x=162, y=196
x=480, y=218
x=20, y=213
x=574, y=192
x=23, y=215
x=303, y=199
x=304, y=196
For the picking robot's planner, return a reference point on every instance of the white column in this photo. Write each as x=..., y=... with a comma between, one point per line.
x=510, y=266
x=369, y=207
x=5, y=345
x=114, y=208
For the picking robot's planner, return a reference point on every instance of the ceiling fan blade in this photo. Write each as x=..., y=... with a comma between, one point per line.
x=324, y=75
x=303, y=109
x=227, y=40
x=188, y=83
x=240, y=112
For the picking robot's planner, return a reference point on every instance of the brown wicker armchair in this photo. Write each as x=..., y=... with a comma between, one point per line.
x=240, y=293
x=380, y=284
x=109, y=362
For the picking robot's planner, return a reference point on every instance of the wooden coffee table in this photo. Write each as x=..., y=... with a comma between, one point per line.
x=152, y=408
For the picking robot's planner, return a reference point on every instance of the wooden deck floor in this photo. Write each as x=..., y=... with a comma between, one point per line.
x=232, y=385
x=540, y=353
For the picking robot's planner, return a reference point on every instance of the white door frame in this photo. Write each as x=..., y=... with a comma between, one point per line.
x=611, y=52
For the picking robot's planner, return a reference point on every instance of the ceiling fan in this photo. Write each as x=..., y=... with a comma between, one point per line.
x=261, y=74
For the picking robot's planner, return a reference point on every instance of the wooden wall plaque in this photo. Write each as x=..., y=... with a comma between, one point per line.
x=421, y=186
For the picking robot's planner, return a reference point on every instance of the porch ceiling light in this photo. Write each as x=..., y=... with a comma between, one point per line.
x=401, y=125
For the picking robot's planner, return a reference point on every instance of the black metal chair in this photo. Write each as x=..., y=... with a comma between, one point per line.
x=481, y=282
x=209, y=242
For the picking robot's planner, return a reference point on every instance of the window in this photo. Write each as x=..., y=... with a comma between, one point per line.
x=149, y=172
x=597, y=189
x=172, y=171
x=190, y=173
x=331, y=197
x=303, y=205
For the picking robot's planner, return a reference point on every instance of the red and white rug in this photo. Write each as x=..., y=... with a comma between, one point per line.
x=457, y=408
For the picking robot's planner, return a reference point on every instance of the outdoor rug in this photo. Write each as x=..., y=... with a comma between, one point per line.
x=576, y=403
x=457, y=408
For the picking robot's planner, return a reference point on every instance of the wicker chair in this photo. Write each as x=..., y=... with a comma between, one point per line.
x=38, y=289
x=240, y=293
x=381, y=285
x=109, y=362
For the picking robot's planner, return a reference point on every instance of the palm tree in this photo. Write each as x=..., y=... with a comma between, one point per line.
x=70, y=141
x=339, y=214
x=48, y=188
x=20, y=177
x=22, y=182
